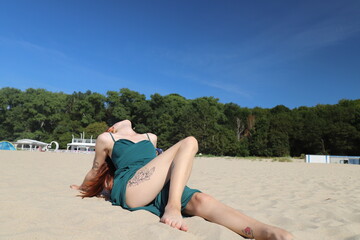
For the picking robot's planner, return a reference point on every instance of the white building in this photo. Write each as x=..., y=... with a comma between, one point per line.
x=333, y=159
x=81, y=144
x=34, y=145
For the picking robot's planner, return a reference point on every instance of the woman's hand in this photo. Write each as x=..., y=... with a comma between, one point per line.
x=74, y=186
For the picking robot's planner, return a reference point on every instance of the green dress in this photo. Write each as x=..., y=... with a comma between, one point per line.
x=128, y=157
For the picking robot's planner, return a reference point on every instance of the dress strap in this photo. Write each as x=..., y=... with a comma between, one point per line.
x=148, y=137
x=112, y=136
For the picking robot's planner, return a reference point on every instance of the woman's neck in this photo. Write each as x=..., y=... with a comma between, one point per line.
x=127, y=132
x=124, y=128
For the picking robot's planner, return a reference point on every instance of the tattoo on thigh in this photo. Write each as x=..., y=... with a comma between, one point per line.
x=248, y=232
x=141, y=176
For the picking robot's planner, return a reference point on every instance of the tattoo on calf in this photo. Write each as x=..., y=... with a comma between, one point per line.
x=248, y=232
x=141, y=176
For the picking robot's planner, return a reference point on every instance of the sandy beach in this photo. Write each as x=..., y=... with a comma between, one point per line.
x=313, y=201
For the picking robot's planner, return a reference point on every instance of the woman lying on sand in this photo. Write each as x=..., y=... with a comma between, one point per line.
x=139, y=179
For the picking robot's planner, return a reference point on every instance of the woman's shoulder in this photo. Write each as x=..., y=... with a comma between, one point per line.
x=152, y=136
x=104, y=137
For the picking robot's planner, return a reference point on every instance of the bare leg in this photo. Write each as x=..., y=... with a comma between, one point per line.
x=212, y=210
x=175, y=165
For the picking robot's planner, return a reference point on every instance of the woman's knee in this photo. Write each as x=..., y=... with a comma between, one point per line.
x=200, y=202
x=191, y=141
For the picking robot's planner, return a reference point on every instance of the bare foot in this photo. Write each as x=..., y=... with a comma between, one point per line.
x=173, y=218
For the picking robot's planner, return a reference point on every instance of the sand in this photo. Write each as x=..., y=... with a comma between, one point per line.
x=313, y=201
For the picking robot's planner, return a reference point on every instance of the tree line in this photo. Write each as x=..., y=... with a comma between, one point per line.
x=221, y=129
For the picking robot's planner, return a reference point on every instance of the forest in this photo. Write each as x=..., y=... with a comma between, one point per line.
x=221, y=129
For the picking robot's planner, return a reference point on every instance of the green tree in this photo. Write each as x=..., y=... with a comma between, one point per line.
x=239, y=122
x=9, y=102
x=222, y=129
x=164, y=118
x=115, y=110
x=95, y=129
x=258, y=143
x=65, y=130
x=86, y=107
x=280, y=126
x=201, y=119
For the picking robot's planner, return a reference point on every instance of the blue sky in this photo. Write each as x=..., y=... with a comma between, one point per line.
x=253, y=53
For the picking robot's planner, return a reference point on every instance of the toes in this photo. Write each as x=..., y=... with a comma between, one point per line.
x=167, y=221
x=174, y=222
x=174, y=225
x=178, y=225
x=184, y=228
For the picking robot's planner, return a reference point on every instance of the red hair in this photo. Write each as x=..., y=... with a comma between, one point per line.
x=102, y=183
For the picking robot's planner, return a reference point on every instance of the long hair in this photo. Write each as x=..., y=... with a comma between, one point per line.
x=102, y=183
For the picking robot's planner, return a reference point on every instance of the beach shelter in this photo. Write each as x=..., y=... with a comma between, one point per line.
x=5, y=145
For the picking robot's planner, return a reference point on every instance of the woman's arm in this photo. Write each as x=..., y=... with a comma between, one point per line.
x=101, y=153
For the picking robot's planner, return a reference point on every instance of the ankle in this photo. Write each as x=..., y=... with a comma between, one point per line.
x=268, y=233
x=274, y=233
x=173, y=206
